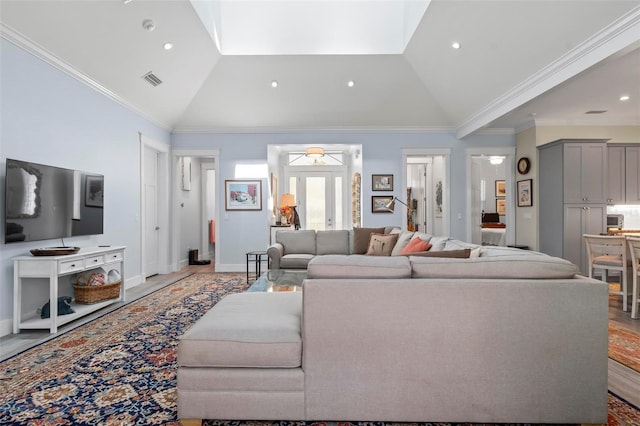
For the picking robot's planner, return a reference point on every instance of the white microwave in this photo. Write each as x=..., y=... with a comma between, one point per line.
x=615, y=221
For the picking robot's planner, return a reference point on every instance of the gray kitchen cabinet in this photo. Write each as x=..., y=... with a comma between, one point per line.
x=632, y=175
x=572, y=196
x=616, y=174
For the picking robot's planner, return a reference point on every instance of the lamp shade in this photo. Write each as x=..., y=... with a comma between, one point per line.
x=287, y=200
x=314, y=151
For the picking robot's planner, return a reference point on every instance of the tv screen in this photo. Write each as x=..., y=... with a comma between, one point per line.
x=46, y=202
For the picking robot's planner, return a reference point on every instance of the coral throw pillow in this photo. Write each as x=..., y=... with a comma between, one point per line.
x=381, y=244
x=416, y=245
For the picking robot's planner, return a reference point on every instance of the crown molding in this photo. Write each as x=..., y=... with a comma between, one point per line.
x=321, y=130
x=41, y=53
x=618, y=35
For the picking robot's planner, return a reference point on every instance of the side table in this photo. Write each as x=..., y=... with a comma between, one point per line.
x=257, y=257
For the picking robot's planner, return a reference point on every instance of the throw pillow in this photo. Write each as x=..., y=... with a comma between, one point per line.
x=361, y=237
x=462, y=254
x=416, y=245
x=403, y=240
x=381, y=244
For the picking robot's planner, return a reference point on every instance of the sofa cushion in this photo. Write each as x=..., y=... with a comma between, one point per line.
x=361, y=238
x=295, y=261
x=403, y=240
x=332, y=242
x=381, y=244
x=295, y=242
x=261, y=330
x=521, y=266
x=359, y=266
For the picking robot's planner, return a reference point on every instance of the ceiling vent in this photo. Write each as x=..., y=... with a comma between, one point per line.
x=596, y=111
x=152, y=78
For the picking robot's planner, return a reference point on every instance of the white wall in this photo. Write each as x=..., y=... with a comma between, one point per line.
x=49, y=117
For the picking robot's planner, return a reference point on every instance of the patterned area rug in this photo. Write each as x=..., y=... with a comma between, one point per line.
x=120, y=369
x=624, y=346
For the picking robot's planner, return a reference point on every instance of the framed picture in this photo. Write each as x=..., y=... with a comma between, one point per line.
x=382, y=204
x=242, y=194
x=501, y=188
x=501, y=206
x=382, y=182
x=94, y=191
x=525, y=193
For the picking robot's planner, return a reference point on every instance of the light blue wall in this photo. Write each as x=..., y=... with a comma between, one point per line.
x=51, y=118
x=243, y=231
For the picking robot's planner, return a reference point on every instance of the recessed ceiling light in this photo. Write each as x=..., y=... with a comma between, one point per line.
x=625, y=98
x=168, y=46
x=274, y=83
x=456, y=45
x=351, y=83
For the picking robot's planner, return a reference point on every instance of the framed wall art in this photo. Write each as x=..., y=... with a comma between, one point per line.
x=242, y=194
x=501, y=188
x=525, y=193
x=382, y=204
x=382, y=182
x=501, y=206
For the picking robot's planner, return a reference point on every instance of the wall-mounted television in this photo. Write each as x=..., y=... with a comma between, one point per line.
x=46, y=202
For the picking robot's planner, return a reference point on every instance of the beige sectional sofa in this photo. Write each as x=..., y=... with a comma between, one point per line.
x=294, y=249
x=507, y=336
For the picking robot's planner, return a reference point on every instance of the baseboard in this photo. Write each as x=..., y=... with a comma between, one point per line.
x=132, y=282
x=6, y=327
x=624, y=382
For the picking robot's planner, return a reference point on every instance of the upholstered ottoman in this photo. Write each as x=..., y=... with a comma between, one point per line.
x=242, y=360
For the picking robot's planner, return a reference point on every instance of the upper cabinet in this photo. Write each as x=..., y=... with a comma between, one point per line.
x=623, y=173
x=585, y=166
x=632, y=174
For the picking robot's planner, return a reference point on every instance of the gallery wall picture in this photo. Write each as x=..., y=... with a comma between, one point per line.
x=525, y=193
x=501, y=188
x=242, y=194
x=501, y=206
x=382, y=204
x=382, y=182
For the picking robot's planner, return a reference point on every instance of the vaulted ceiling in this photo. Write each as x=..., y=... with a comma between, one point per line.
x=520, y=61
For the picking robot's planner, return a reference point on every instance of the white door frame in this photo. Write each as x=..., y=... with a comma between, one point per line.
x=204, y=190
x=175, y=190
x=163, y=174
x=446, y=204
x=509, y=153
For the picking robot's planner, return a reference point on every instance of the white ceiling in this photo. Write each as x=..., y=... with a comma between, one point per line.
x=521, y=60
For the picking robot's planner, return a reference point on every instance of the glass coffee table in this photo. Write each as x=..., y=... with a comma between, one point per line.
x=280, y=280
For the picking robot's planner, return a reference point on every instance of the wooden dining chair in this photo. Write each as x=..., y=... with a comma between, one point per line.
x=609, y=253
x=634, y=250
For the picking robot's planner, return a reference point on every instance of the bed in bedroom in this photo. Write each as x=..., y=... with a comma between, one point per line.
x=493, y=232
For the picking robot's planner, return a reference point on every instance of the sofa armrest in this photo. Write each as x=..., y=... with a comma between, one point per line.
x=275, y=252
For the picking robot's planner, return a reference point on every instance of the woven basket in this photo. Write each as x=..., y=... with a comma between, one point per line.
x=93, y=294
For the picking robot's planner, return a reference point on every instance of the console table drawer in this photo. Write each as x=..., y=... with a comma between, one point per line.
x=114, y=257
x=93, y=261
x=71, y=266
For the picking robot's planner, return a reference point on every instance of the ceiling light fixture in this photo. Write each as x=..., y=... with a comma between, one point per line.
x=351, y=83
x=496, y=160
x=148, y=25
x=274, y=83
x=625, y=98
x=314, y=151
x=168, y=46
x=456, y=45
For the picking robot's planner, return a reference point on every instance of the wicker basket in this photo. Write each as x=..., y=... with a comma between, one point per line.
x=98, y=293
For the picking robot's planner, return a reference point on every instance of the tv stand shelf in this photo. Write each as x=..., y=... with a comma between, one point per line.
x=51, y=268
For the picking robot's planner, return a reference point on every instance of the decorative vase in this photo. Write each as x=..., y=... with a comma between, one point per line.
x=284, y=220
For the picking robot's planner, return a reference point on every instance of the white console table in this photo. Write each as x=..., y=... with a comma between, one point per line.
x=47, y=270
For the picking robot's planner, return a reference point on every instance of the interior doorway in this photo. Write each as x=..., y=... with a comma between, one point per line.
x=208, y=196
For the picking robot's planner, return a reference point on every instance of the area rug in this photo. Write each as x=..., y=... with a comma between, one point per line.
x=120, y=369
x=624, y=346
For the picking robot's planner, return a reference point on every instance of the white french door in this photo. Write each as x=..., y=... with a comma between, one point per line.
x=320, y=198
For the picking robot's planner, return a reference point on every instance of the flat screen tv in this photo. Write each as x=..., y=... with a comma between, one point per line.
x=46, y=202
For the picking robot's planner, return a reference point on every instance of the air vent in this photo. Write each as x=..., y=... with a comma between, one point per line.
x=596, y=111
x=152, y=78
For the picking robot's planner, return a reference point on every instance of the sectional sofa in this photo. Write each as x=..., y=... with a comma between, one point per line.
x=505, y=336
